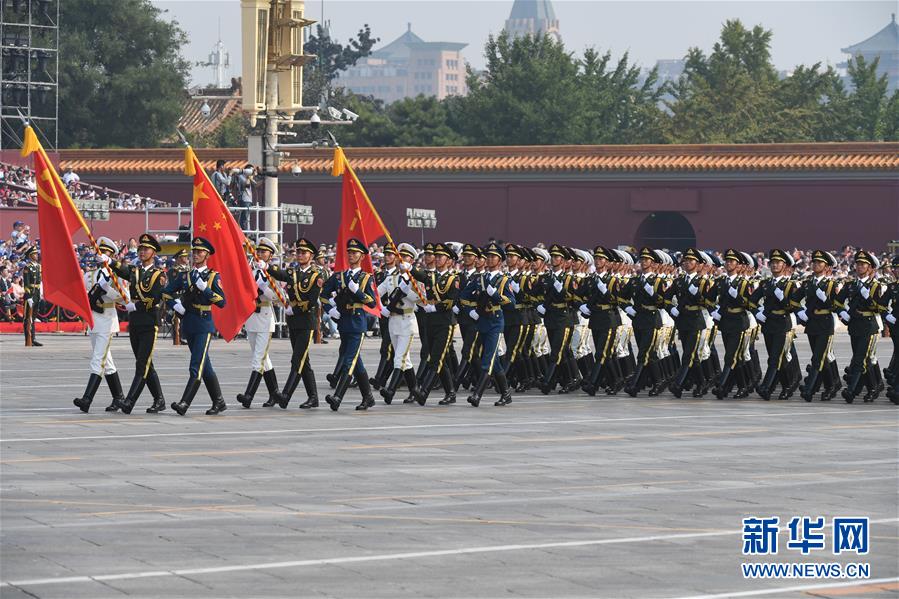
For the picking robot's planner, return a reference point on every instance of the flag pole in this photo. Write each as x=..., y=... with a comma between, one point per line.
x=246, y=242
x=87, y=231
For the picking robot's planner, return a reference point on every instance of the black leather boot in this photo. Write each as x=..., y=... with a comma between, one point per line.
x=377, y=381
x=271, y=385
x=334, y=377
x=190, y=391
x=421, y=394
x=449, y=393
x=215, y=393
x=461, y=374
x=283, y=398
x=311, y=388
x=633, y=386
x=808, y=392
x=475, y=398
x=84, y=402
x=767, y=385
x=156, y=391
x=390, y=390
x=137, y=385
x=368, y=400
x=342, y=384
x=115, y=388
x=850, y=392
x=246, y=398
x=721, y=388
x=548, y=383
x=502, y=384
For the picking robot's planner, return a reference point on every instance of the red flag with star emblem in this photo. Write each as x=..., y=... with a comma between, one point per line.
x=214, y=222
x=358, y=218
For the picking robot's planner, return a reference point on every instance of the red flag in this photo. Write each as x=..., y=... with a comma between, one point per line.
x=358, y=218
x=58, y=219
x=213, y=222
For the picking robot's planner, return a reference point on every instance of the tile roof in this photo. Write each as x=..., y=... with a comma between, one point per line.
x=749, y=158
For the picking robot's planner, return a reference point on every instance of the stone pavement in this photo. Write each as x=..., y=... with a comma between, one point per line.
x=559, y=496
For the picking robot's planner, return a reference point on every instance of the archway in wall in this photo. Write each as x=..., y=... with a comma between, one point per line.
x=669, y=230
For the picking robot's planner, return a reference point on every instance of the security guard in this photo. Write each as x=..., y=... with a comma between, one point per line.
x=304, y=285
x=399, y=302
x=31, y=281
x=441, y=290
x=385, y=364
x=557, y=288
x=145, y=284
x=859, y=302
x=820, y=293
x=490, y=291
x=645, y=293
x=468, y=363
x=733, y=298
x=684, y=296
x=102, y=296
x=181, y=265
x=353, y=289
x=192, y=294
x=599, y=307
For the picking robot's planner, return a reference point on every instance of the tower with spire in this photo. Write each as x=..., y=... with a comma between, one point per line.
x=883, y=45
x=533, y=17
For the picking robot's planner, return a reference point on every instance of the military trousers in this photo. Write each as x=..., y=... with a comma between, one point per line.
x=300, y=342
x=260, y=342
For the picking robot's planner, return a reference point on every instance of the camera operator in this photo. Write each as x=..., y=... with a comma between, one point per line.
x=246, y=182
x=222, y=182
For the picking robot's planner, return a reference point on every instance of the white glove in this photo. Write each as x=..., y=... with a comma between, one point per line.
x=201, y=284
x=760, y=316
x=334, y=314
x=491, y=290
x=630, y=311
x=474, y=314
x=865, y=293
x=648, y=288
x=130, y=307
x=558, y=286
x=405, y=266
x=601, y=286
x=844, y=315
x=801, y=315
x=30, y=302
x=778, y=293
x=430, y=308
x=455, y=309
x=179, y=308
x=821, y=295
x=891, y=319
x=541, y=309
x=716, y=316
x=353, y=285
x=515, y=286
x=261, y=265
x=732, y=291
x=289, y=310
x=584, y=310
x=385, y=312
x=693, y=289
x=674, y=311
x=261, y=283
x=103, y=282
x=405, y=286
x=102, y=258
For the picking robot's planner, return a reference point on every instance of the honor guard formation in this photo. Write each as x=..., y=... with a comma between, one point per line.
x=558, y=319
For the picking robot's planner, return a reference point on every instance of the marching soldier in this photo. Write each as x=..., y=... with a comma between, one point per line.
x=733, y=294
x=600, y=308
x=192, y=294
x=686, y=292
x=514, y=327
x=145, y=284
x=774, y=302
x=260, y=327
x=31, y=281
x=428, y=258
x=468, y=364
x=529, y=371
x=645, y=295
x=490, y=291
x=859, y=302
x=385, y=365
x=556, y=287
x=441, y=290
x=304, y=285
x=181, y=265
x=102, y=297
x=539, y=342
x=817, y=315
x=399, y=308
x=353, y=290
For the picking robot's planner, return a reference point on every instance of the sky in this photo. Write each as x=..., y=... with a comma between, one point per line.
x=805, y=32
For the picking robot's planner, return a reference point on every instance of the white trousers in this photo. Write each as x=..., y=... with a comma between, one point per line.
x=402, y=330
x=540, y=344
x=259, y=343
x=101, y=354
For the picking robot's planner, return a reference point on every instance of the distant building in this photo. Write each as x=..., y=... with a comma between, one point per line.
x=407, y=67
x=533, y=17
x=670, y=69
x=883, y=45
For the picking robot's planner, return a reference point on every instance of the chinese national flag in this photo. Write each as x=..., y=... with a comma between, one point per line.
x=212, y=221
x=358, y=218
x=58, y=220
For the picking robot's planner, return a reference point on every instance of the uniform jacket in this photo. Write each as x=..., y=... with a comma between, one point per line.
x=197, y=304
x=303, y=291
x=353, y=318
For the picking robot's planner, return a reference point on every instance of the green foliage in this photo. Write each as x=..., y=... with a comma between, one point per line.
x=121, y=74
x=331, y=59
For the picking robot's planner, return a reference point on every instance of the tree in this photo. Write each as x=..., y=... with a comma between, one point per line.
x=121, y=75
x=331, y=59
x=869, y=100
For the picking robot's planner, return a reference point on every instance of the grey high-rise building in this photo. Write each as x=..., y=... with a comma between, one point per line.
x=533, y=17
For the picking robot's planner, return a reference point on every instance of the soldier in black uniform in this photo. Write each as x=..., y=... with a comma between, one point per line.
x=145, y=283
x=645, y=293
x=304, y=284
x=817, y=316
x=31, y=281
x=181, y=266
x=385, y=365
x=528, y=371
x=428, y=259
x=684, y=296
x=601, y=309
x=442, y=289
x=892, y=322
x=859, y=302
x=556, y=289
x=514, y=331
x=468, y=363
x=733, y=293
x=773, y=301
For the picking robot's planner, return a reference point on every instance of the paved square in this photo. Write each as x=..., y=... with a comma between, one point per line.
x=559, y=496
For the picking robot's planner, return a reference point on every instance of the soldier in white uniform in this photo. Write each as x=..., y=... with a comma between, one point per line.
x=103, y=296
x=260, y=326
x=402, y=299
